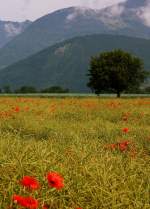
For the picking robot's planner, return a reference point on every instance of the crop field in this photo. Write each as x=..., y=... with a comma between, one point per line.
x=73, y=153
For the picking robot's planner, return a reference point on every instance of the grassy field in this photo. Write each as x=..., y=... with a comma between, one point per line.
x=81, y=139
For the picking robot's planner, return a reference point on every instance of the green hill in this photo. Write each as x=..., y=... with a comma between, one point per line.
x=66, y=64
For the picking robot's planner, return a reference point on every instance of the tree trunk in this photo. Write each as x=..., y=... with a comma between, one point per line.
x=118, y=94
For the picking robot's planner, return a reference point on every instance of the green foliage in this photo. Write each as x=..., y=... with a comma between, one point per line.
x=147, y=90
x=31, y=89
x=26, y=89
x=115, y=70
x=55, y=89
x=7, y=89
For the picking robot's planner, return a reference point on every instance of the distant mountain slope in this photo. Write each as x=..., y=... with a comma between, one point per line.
x=129, y=18
x=8, y=30
x=66, y=64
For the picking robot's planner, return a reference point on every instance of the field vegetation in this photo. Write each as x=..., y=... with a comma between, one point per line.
x=100, y=147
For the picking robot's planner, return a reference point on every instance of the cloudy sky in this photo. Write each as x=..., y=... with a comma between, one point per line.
x=18, y=10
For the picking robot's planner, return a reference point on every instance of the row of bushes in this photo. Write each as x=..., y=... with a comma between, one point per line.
x=31, y=89
x=58, y=89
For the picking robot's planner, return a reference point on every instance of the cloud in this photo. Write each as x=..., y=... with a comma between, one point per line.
x=33, y=9
x=26, y=4
x=116, y=10
x=72, y=16
x=99, y=3
x=84, y=11
x=111, y=16
x=11, y=29
x=27, y=1
x=144, y=13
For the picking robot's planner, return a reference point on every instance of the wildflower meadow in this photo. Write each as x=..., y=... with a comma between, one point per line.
x=74, y=153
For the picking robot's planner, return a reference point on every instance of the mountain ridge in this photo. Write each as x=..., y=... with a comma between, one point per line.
x=66, y=64
x=67, y=23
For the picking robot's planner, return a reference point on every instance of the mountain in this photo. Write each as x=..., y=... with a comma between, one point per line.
x=135, y=3
x=66, y=64
x=8, y=30
x=129, y=18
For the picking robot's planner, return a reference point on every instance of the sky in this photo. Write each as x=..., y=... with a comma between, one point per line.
x=20, y=10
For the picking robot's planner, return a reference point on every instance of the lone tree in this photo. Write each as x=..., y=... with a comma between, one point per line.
x=115, y=71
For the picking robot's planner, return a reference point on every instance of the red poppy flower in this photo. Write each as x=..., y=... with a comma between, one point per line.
x=125, y=130
x=30, y=182
x=123, y=146
x=16, y=109
x=55, y=180
x=126, y=142
x=27, y=202
x=46, y=206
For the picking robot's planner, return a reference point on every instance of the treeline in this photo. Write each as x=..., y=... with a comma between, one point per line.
x=31, y=89
x=58, y=89
x=145, y=90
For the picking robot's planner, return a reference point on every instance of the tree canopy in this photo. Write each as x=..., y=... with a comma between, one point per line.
x=115, y=71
